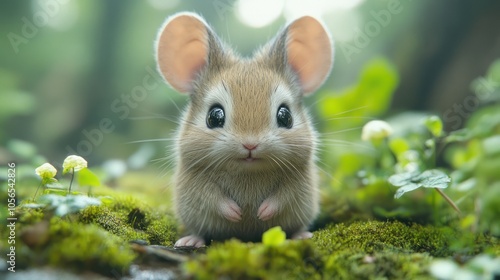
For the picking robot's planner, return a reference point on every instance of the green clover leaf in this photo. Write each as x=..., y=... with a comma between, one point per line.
x=410, y=181
x=64, y=205
x=274, y=236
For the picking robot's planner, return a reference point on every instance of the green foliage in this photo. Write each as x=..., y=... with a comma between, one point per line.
x=434, y=125
x=236, y=260
x=488, y=88
x=473, y=152
x=88, y=178
x=73, y=230
x=370, y=96
x=64, y=205
x=274, y=236
x=461, y=165
x=482, y=266
x=410, y=181
x=405, y=154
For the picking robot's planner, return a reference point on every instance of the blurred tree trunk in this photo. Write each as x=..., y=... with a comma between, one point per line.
x=99, y=83
x=461, y=39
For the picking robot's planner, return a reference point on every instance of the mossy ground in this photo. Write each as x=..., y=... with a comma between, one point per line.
x=361, y=250
x=97, y=239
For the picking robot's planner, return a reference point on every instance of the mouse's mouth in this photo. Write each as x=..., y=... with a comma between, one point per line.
x=250, y=157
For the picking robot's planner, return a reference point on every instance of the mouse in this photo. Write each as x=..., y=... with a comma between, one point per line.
x=245, y=149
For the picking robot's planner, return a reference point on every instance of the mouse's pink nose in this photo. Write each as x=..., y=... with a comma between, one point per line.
x=250, y=146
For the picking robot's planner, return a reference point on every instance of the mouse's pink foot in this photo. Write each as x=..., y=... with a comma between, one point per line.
x=230, y=210
x=302, y=235
x=190, y=241
x=267, y=210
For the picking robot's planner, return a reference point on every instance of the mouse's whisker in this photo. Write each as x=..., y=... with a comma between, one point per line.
x=151, y=140
x=323, y=134
x=343, y=118
x=343, y=143
x=272, y=157
x=343, y=112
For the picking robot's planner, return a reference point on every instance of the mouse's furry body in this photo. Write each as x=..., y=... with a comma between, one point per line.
x=223, y=188
x=198, y=209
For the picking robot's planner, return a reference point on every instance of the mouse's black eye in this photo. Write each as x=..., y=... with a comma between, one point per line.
x=216, y=116
x=284, y=117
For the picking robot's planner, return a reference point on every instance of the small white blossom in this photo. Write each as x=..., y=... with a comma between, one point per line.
x=444, y=269
x=46, y=171
x=74, y=163
x=376, y=130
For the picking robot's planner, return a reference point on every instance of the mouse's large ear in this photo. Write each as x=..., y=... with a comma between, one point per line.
x=183, y=47
x=307, y=48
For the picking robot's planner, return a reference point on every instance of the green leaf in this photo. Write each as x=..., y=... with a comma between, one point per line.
x=21, y=148
x=434, y=125
x=59, y=192
x=369, y=97
x=14, y=102
x=32, y=205
x=274, y=236
x=88, y=178
x=106, y=200
x=494, y=72
x=52, y=183
x=64, y=205
x=398, y=146
x=458, y=136
x=491, y=145
x=410, y=181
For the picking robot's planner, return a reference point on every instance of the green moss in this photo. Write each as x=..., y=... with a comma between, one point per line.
x=361, y=250
x=77, y=246
x=88, y=247
x=162, y=231
x=96, y=239
x=132, y=220
x=236, y=260
x=374, y=236
x=110, y=221
x=349, y=264
x=29, y=215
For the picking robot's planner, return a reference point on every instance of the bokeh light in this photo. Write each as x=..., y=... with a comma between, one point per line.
x=258, y=13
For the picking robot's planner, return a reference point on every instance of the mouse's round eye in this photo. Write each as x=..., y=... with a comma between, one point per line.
x=216, y=116
x=284, y=117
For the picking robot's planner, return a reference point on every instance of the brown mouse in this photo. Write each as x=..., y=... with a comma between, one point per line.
x=245, y=148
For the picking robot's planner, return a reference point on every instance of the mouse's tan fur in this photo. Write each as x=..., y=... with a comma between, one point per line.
x=218, y=194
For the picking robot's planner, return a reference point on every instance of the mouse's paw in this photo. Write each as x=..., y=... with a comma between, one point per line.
x=230, y=210
x=267, y=210
x=190, y=241
x=302, y=235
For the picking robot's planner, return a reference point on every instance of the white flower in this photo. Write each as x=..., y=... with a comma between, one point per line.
x=46, y=171
x=376, y=130
x=74, y=163
x=444, y=269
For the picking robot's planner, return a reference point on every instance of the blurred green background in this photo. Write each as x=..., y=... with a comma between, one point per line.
x=80, y=76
